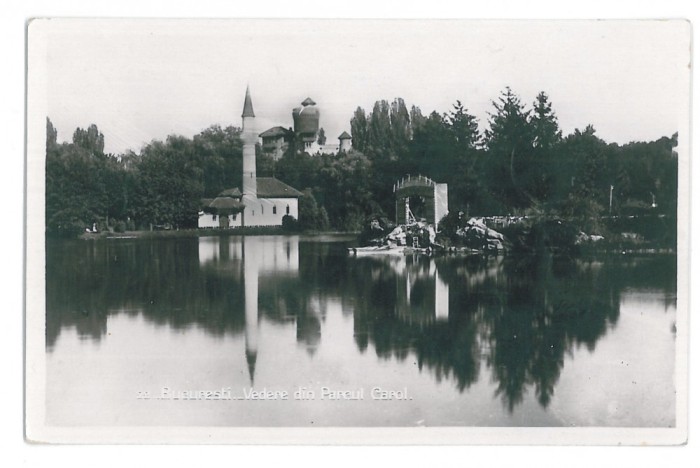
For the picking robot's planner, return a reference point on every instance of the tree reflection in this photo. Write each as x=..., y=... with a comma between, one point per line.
x=518, y=316
x=513, y=320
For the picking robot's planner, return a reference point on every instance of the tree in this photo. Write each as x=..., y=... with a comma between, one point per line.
x=417, y=119
x=379, y=131
x=464, y=127
x=587, y=194
x=312, y=216
x=509, y=141
x=298, y=169
x=321, y=136
x=51, y=135
x=546, y=137
x=170, y=183
x=344, y=189
x=219, y=153
x=92, y=140
x=433, y=149
x=545, y=128
x=358, y=129
x=467, y=188
x=76, y=176
x=400, y=122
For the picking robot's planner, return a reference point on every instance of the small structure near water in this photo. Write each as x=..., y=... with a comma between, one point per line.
x=432, y=193
x=411, y=234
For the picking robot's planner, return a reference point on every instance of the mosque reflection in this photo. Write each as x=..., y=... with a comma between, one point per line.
x=513, y=320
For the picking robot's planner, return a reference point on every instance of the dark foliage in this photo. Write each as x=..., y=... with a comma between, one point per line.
x=519, y=165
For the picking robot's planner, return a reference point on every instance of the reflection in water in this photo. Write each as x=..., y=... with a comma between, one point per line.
x=512, y=321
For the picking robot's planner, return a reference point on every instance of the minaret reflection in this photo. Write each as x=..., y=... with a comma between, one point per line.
x=264, y=264
x=272, y=262
x=251, y=258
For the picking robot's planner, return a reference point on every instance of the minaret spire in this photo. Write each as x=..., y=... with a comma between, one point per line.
x=248, y=104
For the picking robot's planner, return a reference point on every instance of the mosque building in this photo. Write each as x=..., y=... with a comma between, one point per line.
x=263, y=201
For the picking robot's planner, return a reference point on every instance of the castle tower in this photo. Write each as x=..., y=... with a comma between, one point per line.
x=345, y=142
x=306, y=118
x=250, y=189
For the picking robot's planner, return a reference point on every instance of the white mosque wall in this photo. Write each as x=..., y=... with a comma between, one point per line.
x=258, y=212
x=269, y=211
x=207, y=220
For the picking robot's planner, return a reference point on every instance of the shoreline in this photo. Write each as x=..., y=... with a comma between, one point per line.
x=347, y=235
x=191, y=233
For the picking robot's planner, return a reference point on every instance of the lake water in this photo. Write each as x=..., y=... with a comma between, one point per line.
x=188, y=331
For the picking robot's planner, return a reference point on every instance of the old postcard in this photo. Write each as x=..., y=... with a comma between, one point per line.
x=357, y=231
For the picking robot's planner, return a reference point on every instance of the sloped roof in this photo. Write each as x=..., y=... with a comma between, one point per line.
x=224, y=206
x=232, y=192
x=308, y=102
x=344, y=136
x=270, y=187
x=226, y=203
x=274, y=131
x=248, y=104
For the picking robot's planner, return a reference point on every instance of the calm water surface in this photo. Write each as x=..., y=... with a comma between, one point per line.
x=461, y=341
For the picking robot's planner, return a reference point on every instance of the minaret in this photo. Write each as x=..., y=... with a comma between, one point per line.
x=250, y=186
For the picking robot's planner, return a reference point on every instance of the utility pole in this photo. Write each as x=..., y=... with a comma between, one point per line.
x=611, y=192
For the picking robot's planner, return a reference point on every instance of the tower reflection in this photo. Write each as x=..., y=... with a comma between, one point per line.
x=260, y=259
x=513, y=320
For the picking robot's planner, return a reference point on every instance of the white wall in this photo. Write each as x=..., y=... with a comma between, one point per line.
x=261, y=211
x=207, y=220
x=258, y=212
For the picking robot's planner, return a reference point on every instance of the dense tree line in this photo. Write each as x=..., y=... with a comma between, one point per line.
x=162, y=185
x=520, y=164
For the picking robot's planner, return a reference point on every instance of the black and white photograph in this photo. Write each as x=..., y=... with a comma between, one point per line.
x=357, y=231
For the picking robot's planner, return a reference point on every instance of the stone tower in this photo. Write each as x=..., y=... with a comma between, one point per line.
x=250, y=189
x=345, y=142
x=306, y=118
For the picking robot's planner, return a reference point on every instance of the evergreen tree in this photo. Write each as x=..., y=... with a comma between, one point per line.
x=509, y=141
x=545, y=127
x=464, y=126
x=546, y=138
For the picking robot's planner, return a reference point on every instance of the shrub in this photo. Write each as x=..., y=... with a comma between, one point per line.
x=289, y=223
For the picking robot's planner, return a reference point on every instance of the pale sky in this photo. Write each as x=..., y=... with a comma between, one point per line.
x=140, y=80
